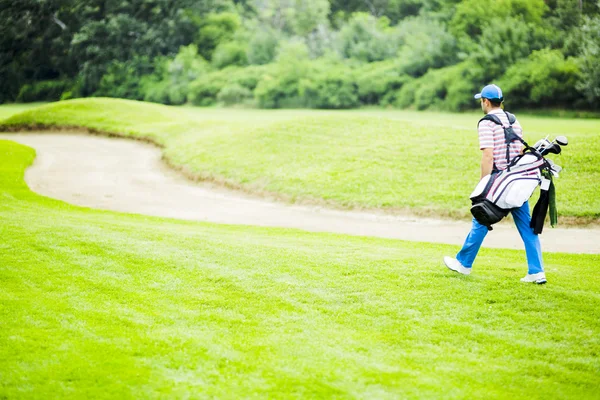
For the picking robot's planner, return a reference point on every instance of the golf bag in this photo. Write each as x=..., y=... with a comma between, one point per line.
x=498, y=193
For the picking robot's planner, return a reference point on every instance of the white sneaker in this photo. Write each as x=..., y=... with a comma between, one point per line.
x=538, y=278
x=456, y=266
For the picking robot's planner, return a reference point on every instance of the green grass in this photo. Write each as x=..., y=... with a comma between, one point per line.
x=103, y=305
x=7, y=110
x=427, y=163
x=96, y=304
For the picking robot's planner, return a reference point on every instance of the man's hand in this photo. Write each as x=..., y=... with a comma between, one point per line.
x=487, y=162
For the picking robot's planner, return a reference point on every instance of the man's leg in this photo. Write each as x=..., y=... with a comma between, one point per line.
x=470, y=248
x=533, y=249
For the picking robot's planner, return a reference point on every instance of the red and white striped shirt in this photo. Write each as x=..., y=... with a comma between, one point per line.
x=491, y=135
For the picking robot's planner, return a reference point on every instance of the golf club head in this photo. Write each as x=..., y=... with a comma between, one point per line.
x=554, y=148
x=541, y=144
x=562, y=140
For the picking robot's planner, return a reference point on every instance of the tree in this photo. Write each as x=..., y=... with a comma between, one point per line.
x=34, y=43
x=215, y=29
x=367, y=38
x=589, y=60
x=544, y=79
x=293, y=17
x=424, y=44
x=474, y=17
x=262, y=47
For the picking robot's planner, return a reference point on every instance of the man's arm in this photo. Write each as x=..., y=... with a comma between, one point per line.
x=487, y=161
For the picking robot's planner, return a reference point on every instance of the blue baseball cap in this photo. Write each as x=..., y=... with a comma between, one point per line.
x=491, y=92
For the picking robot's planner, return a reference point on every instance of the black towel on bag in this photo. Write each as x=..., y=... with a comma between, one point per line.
x=539, y=212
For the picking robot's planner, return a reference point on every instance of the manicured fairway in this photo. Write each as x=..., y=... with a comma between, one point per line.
x=427, y=163
x=103, y=305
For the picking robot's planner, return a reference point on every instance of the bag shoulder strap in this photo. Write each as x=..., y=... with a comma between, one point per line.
x=511, y=117
x=509, y=134
x=490, y=117
x=494, y=118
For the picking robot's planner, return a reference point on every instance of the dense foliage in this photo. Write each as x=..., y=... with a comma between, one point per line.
x=299, y=53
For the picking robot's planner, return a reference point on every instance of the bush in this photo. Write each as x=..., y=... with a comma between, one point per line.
x=262, y=47
x=187, y=65
x=281, y=91
x=280, y=88
x=333, y=89
x=472, y=16
x=214, y=30
x=432, y=89
x=231, y=53
x=506, y=42
x=405, y=97
x=377, y=83
x=544, y=79
x=367, y=38
x=156, y=92
x=312, y=84
x=589, y=60
x=170, y=82
x=463, y=81
x=234, y=94
x=425, y=44
x=204, y=91
x=450, y=88
x=121, y=79
x=250, y=76
x=43, y=91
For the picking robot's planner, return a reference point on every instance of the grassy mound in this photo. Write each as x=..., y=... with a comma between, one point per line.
x=427, y=163
x=97, y=304
x=7, y=110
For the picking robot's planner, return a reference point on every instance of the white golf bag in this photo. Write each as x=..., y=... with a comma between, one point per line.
x=498, y=193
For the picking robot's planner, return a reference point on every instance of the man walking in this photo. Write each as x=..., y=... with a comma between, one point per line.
x=493, y=147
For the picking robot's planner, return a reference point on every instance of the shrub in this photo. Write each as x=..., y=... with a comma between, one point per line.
x=231, y=53
x=281, y=91
x=43, y=91
x=367, y=38
x=432, y=89
x=450, y=88
x=187, y=65
x=425, y=44
x=234, y=94
x=313, y=84
x=507, y=41
x=262, y=47
x=378, y=82
x=121, y=78
x=463, y=81
x=544, y=79
x=333, y=88
x=280, y=88
x=250, y=76
x=170, y=82
x=472, y=16
x=204, y=91
x=589, y=82
x=156, y=92
x=214, y=30
x=405, y=97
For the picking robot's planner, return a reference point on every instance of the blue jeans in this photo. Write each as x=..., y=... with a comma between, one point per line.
x=469, y=251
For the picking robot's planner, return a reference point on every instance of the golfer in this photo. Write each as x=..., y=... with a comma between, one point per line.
x=493, y=147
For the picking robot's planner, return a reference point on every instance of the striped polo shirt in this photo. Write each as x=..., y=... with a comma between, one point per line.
x=492, y=136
